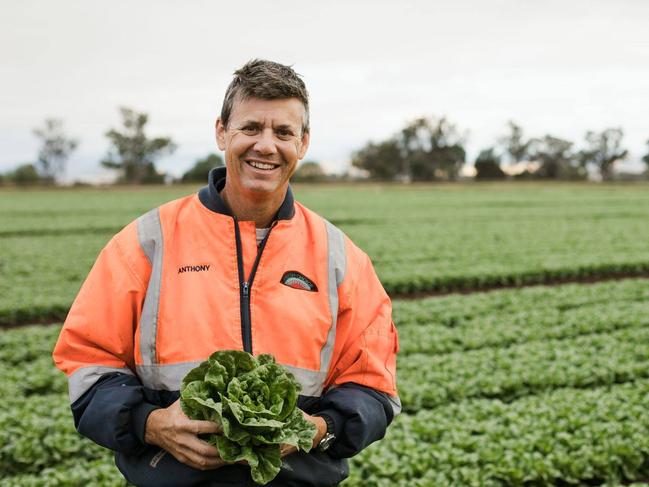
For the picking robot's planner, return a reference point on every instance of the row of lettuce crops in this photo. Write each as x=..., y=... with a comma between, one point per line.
x=38, y=443
x=538, y=386
x=529, y=387
x=450, y=238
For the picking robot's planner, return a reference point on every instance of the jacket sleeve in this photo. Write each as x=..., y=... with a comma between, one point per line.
x=96, y=347
x=362, y=397
x=113, y=413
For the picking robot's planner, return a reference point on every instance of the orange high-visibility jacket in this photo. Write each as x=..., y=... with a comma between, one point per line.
x=187, y=279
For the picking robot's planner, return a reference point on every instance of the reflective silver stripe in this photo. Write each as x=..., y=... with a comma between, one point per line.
x=164, y=377
x=83, y=379
x=395, y=402
x=149, y=232
x=336, y=274
x=312, y=381
x=168, y=377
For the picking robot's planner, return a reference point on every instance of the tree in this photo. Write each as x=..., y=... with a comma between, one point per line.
x=426, y=149
x=24, y=175
x=514, y=144
x=133, y=153
x=309, y=172
x=55, y=149
x=198, y=173
x=487, y=165
x=433, y=149
x=556, y=158
x=382, y=160
x=603, y=151
x=645, y=159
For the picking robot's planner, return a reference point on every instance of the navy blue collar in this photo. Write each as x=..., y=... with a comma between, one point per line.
x=211, y=198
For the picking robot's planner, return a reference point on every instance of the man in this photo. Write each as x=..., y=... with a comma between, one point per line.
x=240, y=265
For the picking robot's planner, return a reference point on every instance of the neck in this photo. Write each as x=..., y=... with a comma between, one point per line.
x=261, y=210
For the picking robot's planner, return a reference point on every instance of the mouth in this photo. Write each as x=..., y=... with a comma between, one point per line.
x=263, y=166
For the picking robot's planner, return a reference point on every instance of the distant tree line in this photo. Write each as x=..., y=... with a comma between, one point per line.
x=551, y=157
x=432, y=149
x=425, y=149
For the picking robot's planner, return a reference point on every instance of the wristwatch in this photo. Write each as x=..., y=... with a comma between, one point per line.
x=329, y=437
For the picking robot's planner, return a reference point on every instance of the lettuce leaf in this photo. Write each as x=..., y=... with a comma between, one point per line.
x=254, y=400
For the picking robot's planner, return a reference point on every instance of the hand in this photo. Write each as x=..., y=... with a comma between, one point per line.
x=321, y=429
x=173, y=431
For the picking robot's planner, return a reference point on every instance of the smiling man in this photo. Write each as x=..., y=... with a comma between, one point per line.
x=242, y=266
x=263, y=141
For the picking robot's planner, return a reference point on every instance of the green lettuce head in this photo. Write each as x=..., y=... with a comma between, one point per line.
x=254, y=400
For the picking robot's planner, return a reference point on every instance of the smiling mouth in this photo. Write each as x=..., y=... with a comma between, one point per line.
x=264, y=166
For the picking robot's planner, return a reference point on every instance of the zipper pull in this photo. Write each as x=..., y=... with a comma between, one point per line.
x=245, y=289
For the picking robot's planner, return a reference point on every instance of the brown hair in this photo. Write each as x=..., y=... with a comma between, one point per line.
x=267, y=80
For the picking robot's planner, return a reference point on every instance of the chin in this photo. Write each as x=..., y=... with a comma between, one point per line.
x=262, y=187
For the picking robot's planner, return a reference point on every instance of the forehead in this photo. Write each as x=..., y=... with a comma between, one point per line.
x=285, y=111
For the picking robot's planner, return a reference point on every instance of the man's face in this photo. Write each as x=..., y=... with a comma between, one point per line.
x=263, y=143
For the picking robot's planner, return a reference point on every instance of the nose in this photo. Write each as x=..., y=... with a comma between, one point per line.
x=265, y=143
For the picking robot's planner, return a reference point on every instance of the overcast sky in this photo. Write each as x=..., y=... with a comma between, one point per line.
x=558, y=67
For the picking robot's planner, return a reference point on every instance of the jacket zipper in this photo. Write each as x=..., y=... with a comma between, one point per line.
x=246, y=285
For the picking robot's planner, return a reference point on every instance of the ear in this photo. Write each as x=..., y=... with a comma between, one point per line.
x=220, y=134
x=304, y=145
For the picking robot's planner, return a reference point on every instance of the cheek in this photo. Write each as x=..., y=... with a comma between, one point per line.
x=291, y=152
x=237, y=146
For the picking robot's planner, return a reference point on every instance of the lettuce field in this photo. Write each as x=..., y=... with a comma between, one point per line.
x=522, y=310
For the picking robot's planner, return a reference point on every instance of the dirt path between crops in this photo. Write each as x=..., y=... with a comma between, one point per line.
x=422, y=295
x=46, y=320
x=549, y=283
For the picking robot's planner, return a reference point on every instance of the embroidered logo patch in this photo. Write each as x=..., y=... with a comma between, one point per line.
x=298, y=281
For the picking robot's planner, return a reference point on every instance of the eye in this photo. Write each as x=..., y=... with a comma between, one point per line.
x=250, y=129
x=284, y=133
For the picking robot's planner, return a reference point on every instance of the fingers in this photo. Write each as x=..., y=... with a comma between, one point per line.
x=197, y=453
x=285, y=449
x=193, y=426
x=198, y=461
x=178, y=434
x=182, y=423
x=203, y=427
x=201, y=447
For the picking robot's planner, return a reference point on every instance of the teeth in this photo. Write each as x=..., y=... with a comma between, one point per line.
x=261, y=165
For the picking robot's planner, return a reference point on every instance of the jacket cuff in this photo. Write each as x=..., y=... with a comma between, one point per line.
x=139, y=415
x=361, y=415
x=337, y=419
